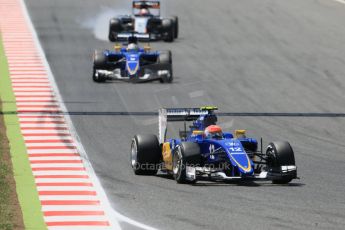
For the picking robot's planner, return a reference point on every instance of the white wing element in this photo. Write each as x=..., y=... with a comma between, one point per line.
x=162, y=124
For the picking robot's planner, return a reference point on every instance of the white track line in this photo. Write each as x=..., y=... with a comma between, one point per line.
x=74, y=218
x=49, y=165
x=61, y=180
x=79, y=228
x=49, y=144
x=65, y=172
x=33, y=151
x=41, y=119
x=38, y=125
x=55, y=158
x=27, y=84
x=65, y=188
x=71, y=208
x=47, y=138
x=32, y=94
x=42, y=131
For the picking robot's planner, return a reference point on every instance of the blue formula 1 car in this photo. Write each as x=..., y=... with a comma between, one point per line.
x=205, y=152
x=132, y=63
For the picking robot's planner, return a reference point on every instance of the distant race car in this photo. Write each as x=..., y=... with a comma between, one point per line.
x=205, y=152
x=146, y=19
x=132, y=63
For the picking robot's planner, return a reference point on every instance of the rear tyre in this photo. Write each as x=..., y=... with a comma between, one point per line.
x=165, y=57
x=280, y=153
x=176, y=26
x=99, y=62
x=145, y=154
x=114, y=29
x=169, y=29
x=112, y=36
x=185, y=154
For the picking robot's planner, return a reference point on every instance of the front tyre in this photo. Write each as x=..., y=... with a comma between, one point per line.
x=97, y=77
x=185, y=154
x=280, y=153
x=99, y=62
x=145, y=154
x=165, y=58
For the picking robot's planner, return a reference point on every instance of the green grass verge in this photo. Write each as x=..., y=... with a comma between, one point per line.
x=7, y=211
x=25, y=184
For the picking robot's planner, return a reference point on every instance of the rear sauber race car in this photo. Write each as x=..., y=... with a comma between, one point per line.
x=205, y=152
x=132, y=63
x=146, y=20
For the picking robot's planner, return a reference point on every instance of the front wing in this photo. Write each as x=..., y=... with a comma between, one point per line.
x=147, y=73
x=197, y=173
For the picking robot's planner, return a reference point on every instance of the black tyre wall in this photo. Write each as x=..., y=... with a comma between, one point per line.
x=168, y=28
x=283, y=154
x=191, y=153
x=148, y=147
x=99, y=59
x=114, y=28
x=115, y=25
x=165, y=57
x=176, y=26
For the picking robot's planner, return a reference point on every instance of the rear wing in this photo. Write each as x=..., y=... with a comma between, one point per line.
x=179, y=114
x=146, y=5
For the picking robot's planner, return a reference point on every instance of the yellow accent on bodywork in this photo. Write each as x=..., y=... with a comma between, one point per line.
x=240, y=133
x=132, y=71
x=117, y=47
x=147, y=47
x=209, y=108
x=167, y=156
x=246, y=169
x=198, y=132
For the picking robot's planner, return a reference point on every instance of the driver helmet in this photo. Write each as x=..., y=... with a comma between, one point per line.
x=132, y=47
x=144, y=12
x=214, y=132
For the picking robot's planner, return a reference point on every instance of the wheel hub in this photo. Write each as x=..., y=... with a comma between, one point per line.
x=177, y=163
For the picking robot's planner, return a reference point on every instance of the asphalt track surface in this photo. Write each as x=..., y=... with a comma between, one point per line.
x=250, y=56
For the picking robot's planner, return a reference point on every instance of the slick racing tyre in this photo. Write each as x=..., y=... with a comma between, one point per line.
x=96, y=77
x=112, y=36
x=185, y=154
x=99, y=62
x=114, y=29
x=280, y=153
x=169, y=29
x=176, y=25
x=165, y=58
x=145, y=154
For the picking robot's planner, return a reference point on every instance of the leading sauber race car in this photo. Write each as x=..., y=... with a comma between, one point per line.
x=146, y=20
x=132, y=63
x=205, y=152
